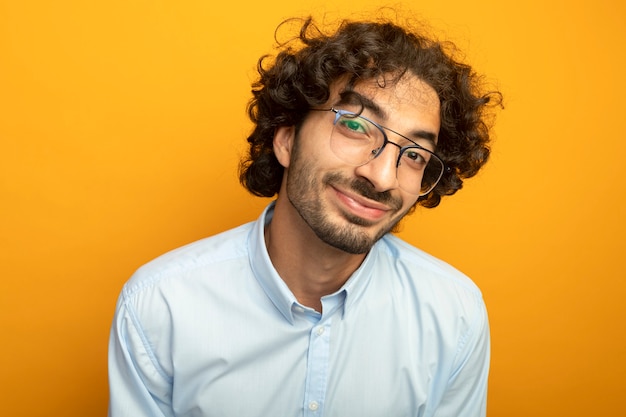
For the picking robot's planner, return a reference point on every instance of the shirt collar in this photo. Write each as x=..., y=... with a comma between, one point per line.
x=276, y=289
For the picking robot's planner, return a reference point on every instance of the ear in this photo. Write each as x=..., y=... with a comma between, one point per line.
x=284, y=137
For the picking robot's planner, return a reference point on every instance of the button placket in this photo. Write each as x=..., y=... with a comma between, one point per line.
x=317, y=369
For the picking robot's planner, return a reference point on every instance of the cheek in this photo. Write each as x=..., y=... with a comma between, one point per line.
x=408, y=202
x=313, y=160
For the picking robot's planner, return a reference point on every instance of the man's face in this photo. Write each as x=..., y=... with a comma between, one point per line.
x=349, y=207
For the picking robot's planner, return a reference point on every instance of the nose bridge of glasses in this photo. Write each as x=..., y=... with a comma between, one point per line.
x=401, y=141
x=378, y=151
x=401, y=148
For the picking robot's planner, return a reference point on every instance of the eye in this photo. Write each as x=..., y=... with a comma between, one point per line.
x=413, y=155
x=354, y=125
x=416, y=158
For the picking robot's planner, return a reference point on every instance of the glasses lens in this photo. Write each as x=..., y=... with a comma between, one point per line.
x=419, y=171
x=354, y=139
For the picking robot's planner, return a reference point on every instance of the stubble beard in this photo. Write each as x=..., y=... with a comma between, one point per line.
x=303, y=192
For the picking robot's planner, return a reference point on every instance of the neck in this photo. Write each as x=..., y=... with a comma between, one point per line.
x=310, y=267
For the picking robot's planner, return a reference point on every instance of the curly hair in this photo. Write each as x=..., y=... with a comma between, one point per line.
x=299, y=79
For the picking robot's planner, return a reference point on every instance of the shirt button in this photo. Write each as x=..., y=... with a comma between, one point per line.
x=298, y=309
x=320, y=331
x=313, y=406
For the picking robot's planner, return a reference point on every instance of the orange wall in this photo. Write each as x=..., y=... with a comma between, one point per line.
x=120, y=128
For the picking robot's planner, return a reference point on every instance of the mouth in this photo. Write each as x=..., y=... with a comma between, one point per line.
x=361, y=207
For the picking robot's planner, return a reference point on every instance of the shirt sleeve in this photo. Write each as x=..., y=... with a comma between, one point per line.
x=138, y=386
x=466, y=394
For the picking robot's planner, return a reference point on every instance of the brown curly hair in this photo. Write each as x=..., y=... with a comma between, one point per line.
x=298, y=80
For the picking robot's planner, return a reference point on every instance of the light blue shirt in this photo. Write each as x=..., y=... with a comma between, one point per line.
x=210, y=329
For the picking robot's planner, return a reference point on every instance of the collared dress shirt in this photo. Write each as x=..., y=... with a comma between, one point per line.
x=211, y=330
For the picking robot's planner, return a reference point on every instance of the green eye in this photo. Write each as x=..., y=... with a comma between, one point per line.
x=353, y=125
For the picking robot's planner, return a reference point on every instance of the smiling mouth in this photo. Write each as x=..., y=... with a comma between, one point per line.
x=359, y=210
x=361, y=203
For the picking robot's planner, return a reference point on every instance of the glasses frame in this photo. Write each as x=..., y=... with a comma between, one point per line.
x=383, y=129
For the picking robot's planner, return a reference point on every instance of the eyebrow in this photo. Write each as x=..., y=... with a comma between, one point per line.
x=354, y=98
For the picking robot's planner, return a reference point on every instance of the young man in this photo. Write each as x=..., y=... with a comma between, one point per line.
x=315, y=309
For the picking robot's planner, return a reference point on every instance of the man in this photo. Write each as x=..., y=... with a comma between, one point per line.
x=315, y=309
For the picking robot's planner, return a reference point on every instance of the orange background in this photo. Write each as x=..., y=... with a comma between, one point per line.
x=121, y=123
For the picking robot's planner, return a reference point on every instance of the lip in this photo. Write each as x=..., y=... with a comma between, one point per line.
x=360, y=206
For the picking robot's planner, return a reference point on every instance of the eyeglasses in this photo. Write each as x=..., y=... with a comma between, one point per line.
x=357, y=140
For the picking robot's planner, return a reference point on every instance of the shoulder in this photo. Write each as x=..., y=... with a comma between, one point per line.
x=421, y=265
x=191, y=260
x=432, y=293
x=426, y=282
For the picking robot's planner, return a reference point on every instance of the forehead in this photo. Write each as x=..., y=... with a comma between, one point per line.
x=389, y=93
x=393, y=92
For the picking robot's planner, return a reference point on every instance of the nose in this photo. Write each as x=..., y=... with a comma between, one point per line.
x=381, y=171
